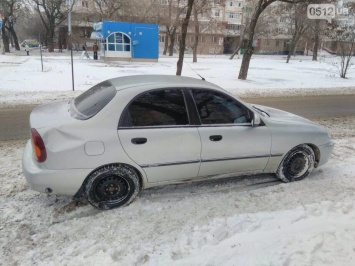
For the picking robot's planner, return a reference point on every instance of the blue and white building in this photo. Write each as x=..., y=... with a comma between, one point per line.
x=127, y=41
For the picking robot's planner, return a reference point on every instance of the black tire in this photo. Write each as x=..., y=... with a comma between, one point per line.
x=111, y=186
x=297, y=164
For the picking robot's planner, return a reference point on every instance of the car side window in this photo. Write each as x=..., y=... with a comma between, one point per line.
x=217, y=108
x=157, y=108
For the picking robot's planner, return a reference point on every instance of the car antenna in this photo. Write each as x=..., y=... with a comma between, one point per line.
x=194, y=71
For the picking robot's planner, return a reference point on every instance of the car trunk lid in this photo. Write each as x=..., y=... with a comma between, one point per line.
x=50, y=115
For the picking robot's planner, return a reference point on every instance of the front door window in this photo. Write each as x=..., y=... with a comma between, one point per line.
x=217, y=108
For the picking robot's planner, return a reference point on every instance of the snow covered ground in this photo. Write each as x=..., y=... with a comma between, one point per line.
x=238, y=221
x=22, y=79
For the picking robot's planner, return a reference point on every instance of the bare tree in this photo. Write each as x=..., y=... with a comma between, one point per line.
x=343, y=38
x=30, y=26
x=259, y=7
x=171, y=20
x=10, y=11
x=52, y=13
x=346, y=49
x=298, y=26
x=184, y=26
x=202, y=9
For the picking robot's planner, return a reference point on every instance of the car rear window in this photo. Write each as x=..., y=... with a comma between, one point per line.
x=89, y=103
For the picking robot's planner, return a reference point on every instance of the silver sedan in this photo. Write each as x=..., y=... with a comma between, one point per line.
x=135, y=132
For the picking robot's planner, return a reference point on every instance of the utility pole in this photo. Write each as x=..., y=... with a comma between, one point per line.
x=40, y=49
x=70, y=43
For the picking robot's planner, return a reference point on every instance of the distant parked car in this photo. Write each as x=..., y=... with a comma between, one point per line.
x=31, y=43
x=130, y=133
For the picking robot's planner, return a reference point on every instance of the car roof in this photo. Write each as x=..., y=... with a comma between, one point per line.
x=126, y=82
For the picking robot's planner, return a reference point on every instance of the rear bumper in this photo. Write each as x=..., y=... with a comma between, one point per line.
x=60, y=182
x=325, y=151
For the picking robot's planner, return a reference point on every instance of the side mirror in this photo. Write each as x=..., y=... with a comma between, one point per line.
x=256, y=120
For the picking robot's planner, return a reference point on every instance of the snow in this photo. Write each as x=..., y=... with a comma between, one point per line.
x=268, y=75
x=236, y=221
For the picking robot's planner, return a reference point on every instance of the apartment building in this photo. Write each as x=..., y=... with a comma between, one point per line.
x=221, y=23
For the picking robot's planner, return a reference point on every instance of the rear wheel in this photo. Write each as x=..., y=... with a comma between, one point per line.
x=297, y=164
x=112, y=186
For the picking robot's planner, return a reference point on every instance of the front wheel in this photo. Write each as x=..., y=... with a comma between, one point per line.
x=297, y=164
x=112, y=186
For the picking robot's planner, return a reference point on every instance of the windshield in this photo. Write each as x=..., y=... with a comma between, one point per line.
x=89, y=103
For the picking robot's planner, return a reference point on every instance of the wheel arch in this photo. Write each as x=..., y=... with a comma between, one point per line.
x=316, y=153
x=80, y=193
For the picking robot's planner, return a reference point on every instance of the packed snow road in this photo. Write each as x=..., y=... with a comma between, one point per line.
x=238, y=221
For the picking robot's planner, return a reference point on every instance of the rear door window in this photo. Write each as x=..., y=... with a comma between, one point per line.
x=157, y=108
x=89, y=103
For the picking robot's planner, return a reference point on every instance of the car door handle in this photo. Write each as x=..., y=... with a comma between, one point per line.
x=216, y=137
x=139, y=141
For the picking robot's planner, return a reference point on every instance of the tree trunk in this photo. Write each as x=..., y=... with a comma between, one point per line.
x=183, y=38
x=197, y=34
x=316, y=41
x=5, y=40
x=50, y=37
x=235, y=52
x=291, y=48
x=295, y=49
x=14, y=35
x=166, y=44
x=172, y=43
x=243, y=72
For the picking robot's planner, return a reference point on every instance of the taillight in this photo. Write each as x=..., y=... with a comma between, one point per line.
x=38, y=146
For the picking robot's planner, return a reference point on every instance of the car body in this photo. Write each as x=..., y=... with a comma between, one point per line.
x=135, y=132
x=30, y=43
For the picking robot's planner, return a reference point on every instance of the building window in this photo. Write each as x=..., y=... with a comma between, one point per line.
x=267, y=43
x=282, y=19
x=164, y=2
x=230, y=3
x=233, y=27
x=248, y=9
x=216, y=13
x=85, y=4
x=239, y=4
x=162, y=38
x=280, y=30
x=192, y=38
x=202, y=39
x=119, y=42
x=234, y=15
x=100, y=4
x=277, y=43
